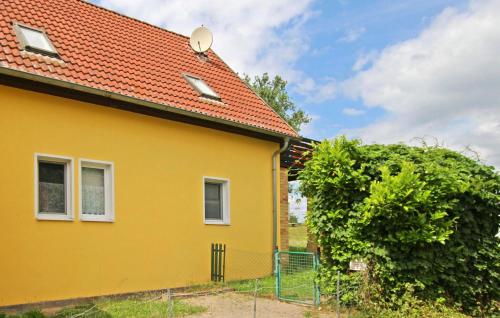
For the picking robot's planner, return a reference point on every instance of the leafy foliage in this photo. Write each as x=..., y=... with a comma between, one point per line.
x=424, y=216
x=273, y=91
x=410, y=307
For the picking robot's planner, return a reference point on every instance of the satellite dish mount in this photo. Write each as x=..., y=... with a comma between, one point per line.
x=201, y=40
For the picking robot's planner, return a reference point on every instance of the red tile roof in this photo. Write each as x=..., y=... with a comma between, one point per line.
x=105, y=50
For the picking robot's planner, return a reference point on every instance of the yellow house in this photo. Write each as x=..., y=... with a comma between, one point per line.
x=124, y=155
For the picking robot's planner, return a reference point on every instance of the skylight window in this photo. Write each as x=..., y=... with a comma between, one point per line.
x=202, y=87
x=34, y=40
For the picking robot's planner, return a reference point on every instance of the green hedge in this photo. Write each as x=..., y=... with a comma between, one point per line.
x=420, y=216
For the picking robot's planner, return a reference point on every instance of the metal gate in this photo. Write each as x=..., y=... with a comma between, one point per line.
x=296, y=277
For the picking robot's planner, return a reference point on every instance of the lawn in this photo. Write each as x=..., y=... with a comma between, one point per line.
x=297, y=236
x=128, y=308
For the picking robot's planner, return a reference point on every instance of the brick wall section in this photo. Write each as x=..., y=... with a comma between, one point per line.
x=283, y=209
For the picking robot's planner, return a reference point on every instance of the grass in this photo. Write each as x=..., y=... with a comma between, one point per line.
x=29, y=314
x=297, y=236
x=297, y=282
x=128, y=308
x=266, y=286
x=298, y=286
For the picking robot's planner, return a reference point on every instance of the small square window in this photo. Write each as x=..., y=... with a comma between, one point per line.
x=53, y=187
x=96, y=191
x=202, y=87
x=34, y=40
x=216, y=200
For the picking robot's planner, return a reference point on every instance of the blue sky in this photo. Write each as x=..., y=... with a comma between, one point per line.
x=383, y=71
x=340, y=33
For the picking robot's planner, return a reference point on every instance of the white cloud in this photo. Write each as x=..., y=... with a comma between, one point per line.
x=311, y=127
x=306, y=86
x=443, y=83
x=364, y=60
x=351, y=35
x=252, y=36
x=353, y=111
x=326, y=91
x=315, y=92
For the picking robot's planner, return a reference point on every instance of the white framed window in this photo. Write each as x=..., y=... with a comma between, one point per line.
x=216, y=200
x=35, y=40
x=199, y=85
x=96, y=184
x=53, y=187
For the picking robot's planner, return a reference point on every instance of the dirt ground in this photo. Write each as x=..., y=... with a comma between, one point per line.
x=230, y=305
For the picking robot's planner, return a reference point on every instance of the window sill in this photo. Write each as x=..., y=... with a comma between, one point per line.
x=87, y=218
x=214, y=222
x=53, y=217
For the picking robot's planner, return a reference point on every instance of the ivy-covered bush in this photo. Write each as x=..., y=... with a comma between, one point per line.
x=425, y=217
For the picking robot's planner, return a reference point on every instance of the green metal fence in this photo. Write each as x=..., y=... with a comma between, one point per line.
x=296, y=277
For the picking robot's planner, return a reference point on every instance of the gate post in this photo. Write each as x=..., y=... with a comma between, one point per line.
x=277, y=273
x=317, y=292
x=284, y=205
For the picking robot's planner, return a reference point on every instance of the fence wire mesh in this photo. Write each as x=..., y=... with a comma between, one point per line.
x=296, y=277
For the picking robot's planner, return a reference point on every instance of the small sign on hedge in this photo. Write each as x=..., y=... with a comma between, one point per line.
x=357, y=266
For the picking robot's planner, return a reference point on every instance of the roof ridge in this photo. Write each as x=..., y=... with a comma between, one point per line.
x=132, y=18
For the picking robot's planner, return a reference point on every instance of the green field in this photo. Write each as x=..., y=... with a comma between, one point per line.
x=297, y=236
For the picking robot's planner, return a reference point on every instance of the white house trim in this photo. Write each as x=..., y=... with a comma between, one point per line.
x=109, y=189
x=226, y=194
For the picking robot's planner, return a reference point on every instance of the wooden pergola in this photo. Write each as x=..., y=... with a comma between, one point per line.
x=292, y=161
x=294, y=158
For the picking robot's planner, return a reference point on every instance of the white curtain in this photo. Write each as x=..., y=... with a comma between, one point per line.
x=93, y=196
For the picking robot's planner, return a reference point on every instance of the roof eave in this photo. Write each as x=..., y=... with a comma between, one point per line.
x=128, y=99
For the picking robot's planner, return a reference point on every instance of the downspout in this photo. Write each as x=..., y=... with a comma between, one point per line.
x=275, y=193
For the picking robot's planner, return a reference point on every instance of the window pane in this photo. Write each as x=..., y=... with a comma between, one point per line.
x=213, y=204
x=202, y=87
x=36, y=39
x=212, y=191
x=51, y=187
x=93, y=191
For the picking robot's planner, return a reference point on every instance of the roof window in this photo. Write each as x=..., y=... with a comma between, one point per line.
x=34, y=40
x=202, y=87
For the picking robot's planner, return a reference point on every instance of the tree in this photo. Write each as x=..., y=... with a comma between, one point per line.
x=425, y=217
x=275, y=94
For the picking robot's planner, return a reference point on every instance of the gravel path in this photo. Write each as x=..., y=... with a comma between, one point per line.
x=230, y=305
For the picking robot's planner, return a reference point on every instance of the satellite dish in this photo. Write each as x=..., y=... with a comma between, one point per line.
x=201, y=39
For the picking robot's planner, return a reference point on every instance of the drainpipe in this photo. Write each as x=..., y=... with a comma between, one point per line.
x=275, y=193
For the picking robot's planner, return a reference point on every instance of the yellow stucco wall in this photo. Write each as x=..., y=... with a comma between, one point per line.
x=158, y=239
